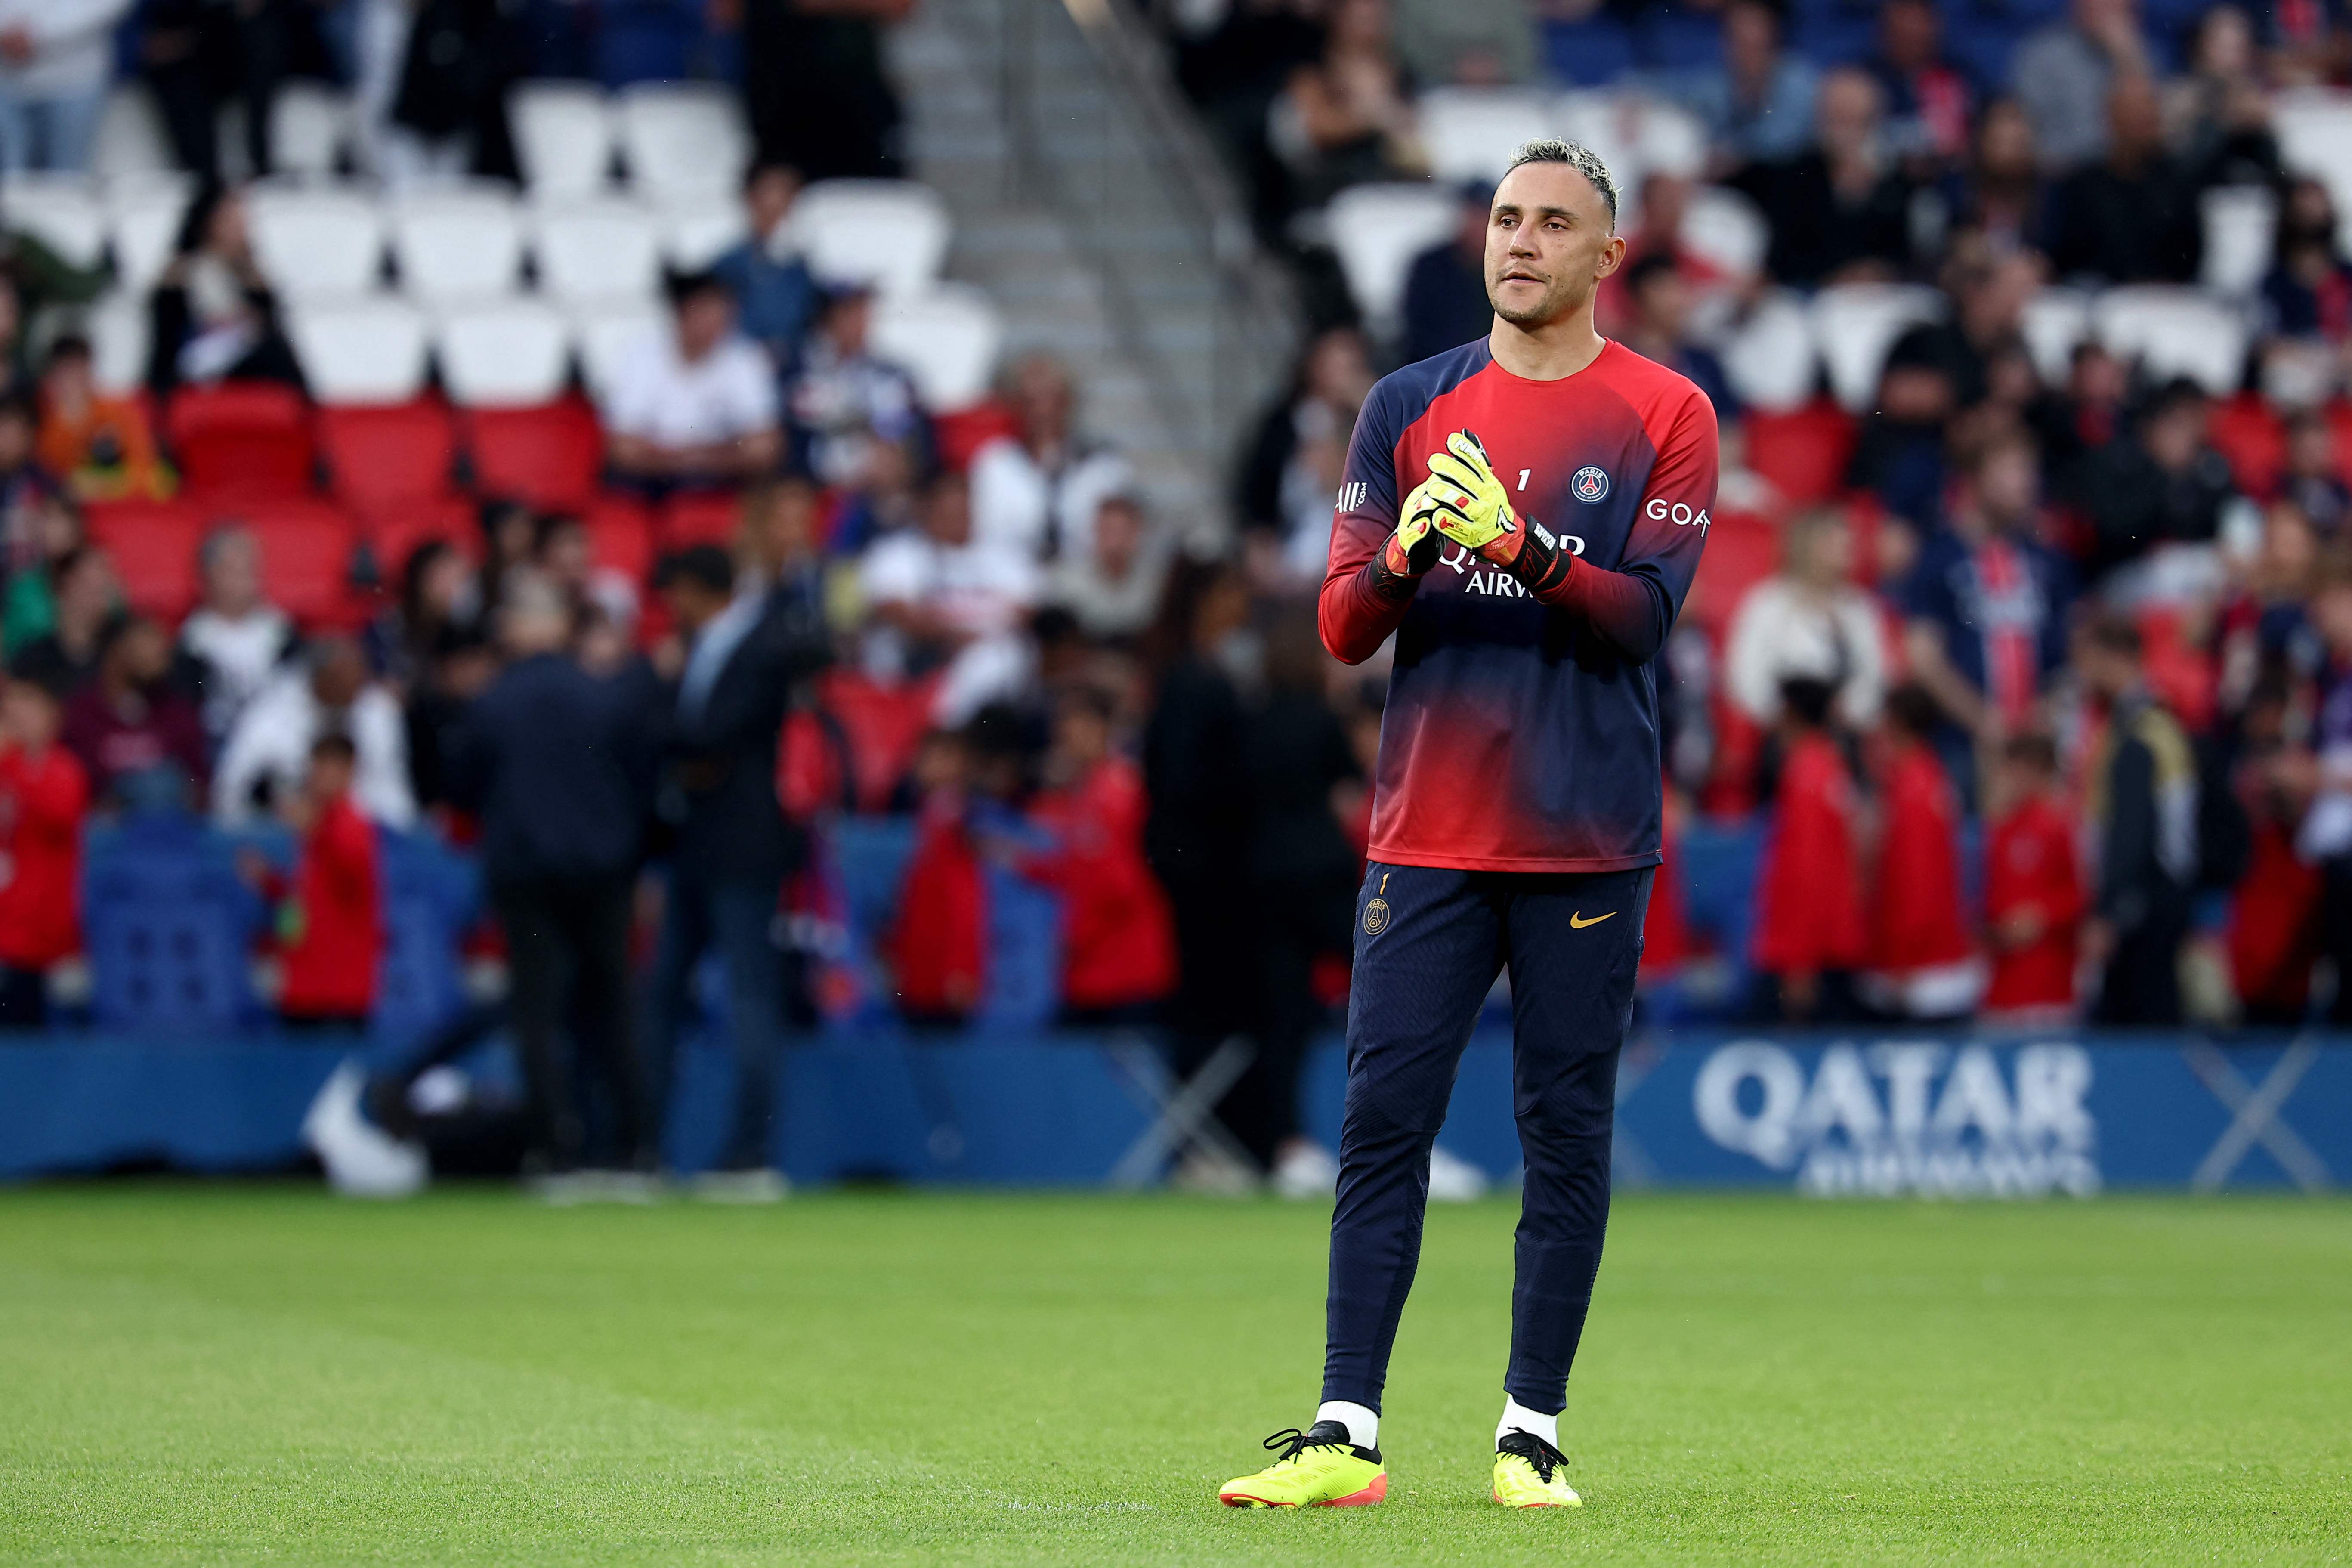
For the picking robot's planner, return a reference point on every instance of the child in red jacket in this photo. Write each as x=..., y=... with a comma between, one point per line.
x=1119, y=942
x=333, y=929
x=1923, y=964
x=44, y=793
x=2034, y=888
x=1808, y=932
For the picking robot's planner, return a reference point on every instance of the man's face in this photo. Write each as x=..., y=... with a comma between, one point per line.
x=767, y=200
x=691, y=604
x=1666, y=303
x=703, y=319
x=947, y=515
x=1549, y=244
x=2006, y=486
x=340, y=673
x=146, y=653
x=16, y=440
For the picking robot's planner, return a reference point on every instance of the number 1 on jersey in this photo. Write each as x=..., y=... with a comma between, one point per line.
x=1523, y=476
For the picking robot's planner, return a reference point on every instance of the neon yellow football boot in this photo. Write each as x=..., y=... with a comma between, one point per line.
x=1314, y=1468
x=1532, y=1473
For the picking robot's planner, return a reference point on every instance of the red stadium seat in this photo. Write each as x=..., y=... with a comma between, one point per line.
x=549, y=456
x=2250, y=435
x=305, y=557
x=153, y=546
x=380, y=461
x=700, y=516
x=240, y=439
x=621, y=535
x=1803, y=453
x=1742, y=550
x=394, y=534
x=884, y=725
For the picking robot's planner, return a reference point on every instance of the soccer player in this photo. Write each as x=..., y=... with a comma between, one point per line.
x=1524, y=514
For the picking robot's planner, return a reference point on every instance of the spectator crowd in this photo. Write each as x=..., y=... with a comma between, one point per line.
x=2018, y=697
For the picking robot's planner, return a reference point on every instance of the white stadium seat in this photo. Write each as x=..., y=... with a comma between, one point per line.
x=316, y=242
x=1470, y=133
x=606, y=336
x=1769, y=357
x=596, y=250
x=510, y=355
x=2055, y=321
x=2314, y=126
x=143, y=220
x=696, y=232
x=946, y=339
x=892, y=234
x=1671, y=142
x=2175, y=331
x=2241, y=223
x=362, y=350
x=1608, y=123
x=682, y=137
x=456, y=246
x=310, y=128
x=563, y=137
x=118, y=327
x=1854, y=324
x=1727, y=229
x=60, y=210
x=1377, y=230
x=131, y=139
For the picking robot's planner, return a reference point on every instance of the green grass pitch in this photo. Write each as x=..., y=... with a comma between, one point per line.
x=244, y=1375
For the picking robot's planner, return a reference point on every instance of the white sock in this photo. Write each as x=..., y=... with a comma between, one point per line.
x=1535, y=1423
x=1363, y=1426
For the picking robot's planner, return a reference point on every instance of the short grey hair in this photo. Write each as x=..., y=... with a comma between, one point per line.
x=1577, y=156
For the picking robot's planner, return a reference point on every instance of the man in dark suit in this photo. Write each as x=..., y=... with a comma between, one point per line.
x=745, y=651
x=557, y=763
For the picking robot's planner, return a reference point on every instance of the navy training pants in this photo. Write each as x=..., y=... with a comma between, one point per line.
x=1429, y=942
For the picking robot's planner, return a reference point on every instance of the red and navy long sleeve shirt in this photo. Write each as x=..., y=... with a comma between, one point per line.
x=1522, y=733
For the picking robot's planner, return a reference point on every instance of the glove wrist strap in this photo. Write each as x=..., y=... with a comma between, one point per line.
x=1541, y=566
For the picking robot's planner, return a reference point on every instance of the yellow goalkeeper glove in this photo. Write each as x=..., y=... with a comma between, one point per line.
x=1412, y=549
x=1474, y=508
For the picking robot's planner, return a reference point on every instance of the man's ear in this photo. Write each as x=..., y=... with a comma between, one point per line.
x=1612, y=256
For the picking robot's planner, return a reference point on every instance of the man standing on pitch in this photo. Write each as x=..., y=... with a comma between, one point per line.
x=1525, y=514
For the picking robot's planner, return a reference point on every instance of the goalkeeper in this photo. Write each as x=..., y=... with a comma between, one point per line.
x=1524, y=514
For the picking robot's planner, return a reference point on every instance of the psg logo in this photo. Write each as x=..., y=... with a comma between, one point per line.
x=1591, y=485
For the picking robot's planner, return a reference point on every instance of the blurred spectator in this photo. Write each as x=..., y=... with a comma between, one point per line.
x=83, y=593
x=2063, y=73
x=27, y=489
x=2314, y=480
x=55, y=59
x=745, y=652
x=1758, y=106
x=1992, y=296
x=1923, y=965
x=2079, y=422
x=1197, y=816
x=564, y=553
x=2032, y=887
x=2274, y=935
x=890, y=499
x=1118, y=946
x=330, y=930
x=2164, y=484
x=197, y=56
x=439, y=602
x=129, y=724
x=1302, y=877
x=775, y=296
x=694, y=404
x=1292, y=474
x=1809, y=937
x=1445, y=302
x=213, y=316
x=1036, y=492
x=44, y=793
x=2132, y=217
x=237, y=637
x=1808, y=621
x=556, y=761
x=1841, y=212
x=2216, y=114
x=446, y=108
x=330, y=691
x=1660, y=329
x=2003, y=196
x=1472, y=43
x=1114, y=592
x=12, y=324
x=1347, y=116
x=943, y=597
x=1930, y=100
x=936, y=942
x=1985, y=608
x=2324, y=837
x=815, y=88
x=2307, y=292
x=2143, y=814
x=844, y=402
x=101, y=447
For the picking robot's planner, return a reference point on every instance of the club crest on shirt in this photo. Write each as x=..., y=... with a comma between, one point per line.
x=1591, y=485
